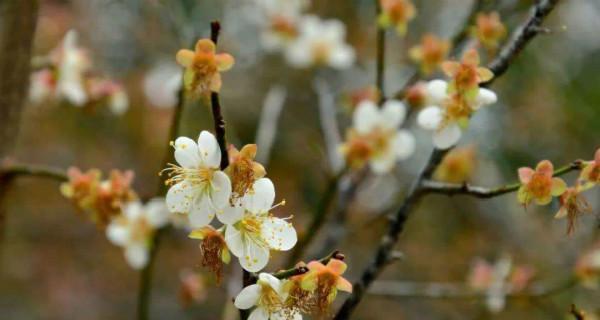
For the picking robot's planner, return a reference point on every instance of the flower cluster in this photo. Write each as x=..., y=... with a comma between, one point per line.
x=430, y=53
x=375, y=138
x=305, y=40
x=396, y=14
x=540, y=186
x=67, y=76
x=134, y=229
x=203, y=67
x=457, y=166
x=113, y=205
x=239, y=196
x=489, y=30
x=100, y=199
x=451, y=104
x=312, y=292
x=498, y=280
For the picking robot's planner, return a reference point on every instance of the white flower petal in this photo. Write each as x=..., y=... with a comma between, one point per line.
x=430, y=118
x=485, y=97
x=179, y=197
x=261, y=198
x=436, y=91
x=221, y=190
x=248, y=297
x=202, y=212
x=404, y=144
x=279, y=234
x=342, y=57
x=231, y=214
x=366, y=117
x=384, y=162
x=157, y=213
x=208, y=147
x=447, y=137
x=133, y=210
x=259, y=314
x=234, y=240
x=254, y=257
x=136, y=255
x=186, y=152
x=393, y=113
x=117, y=233
x=297, y=54
x=272, y=281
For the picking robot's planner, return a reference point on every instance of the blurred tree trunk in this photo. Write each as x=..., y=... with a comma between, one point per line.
x=17, y=25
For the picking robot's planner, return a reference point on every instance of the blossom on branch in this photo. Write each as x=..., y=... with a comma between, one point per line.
x=457, y=166
x=396, y=14
x=267, y=297
x=375, y=138
x=252, y=231
x=134, y=229
x=203, y=67
x=489, y=30
x=430, y=53
x=242, y=169
x=198, y=188
x=214, y=249
x=572, y=205
x=320, y=43
x=280, y=22
x=538, y=185
x=590, y=174
x=324, y=281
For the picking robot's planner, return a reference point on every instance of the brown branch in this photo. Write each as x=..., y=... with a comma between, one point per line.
x=380, y=60
x=11, y=171
x=521, y=37
x=302, y=269
x=451, y=189
x=540, y=10
x=576, y=313
x=18, y=21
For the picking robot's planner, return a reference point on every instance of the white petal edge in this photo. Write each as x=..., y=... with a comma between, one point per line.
x=279, y=234
x=430, y=118
x=248, y=297
x=366, y=117
x=393, y=113
x=261, y=198
x=208, y=148
x=186, y=152
x=447, y=137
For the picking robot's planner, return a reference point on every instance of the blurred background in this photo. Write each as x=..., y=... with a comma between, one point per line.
x=56, y=265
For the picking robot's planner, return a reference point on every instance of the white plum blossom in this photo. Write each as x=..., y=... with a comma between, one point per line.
x=133, y=230
x=322, y=43
x=252, y=231
x=267, y=297
x=279, y=22
x=161, y=84
x=447, y=129
x=376, y=135
x=198, y=188
x=72, y=67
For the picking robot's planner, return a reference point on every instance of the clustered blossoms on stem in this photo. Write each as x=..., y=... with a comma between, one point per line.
x=304, y=39
x=375, y=138
x=203, y=67
x=214, y=249
x=243, y=170
x=310, y=293
x=101, y=199
x=457, y=166
x=538, y=185
x=320, y=43
x=281, y=19
x=451, y=104
x=498, y=280
x=430, y=53
x=489, y=30
x=133, y=230
x=68, y=77
x=252, y=231
x=396, y=14
x=198, y=188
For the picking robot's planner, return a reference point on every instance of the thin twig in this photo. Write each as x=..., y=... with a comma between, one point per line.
x=442, y=290
x=380, y=60
x=329, y=125
x=451, y=189
x=269, y=118
x=539, y=11
x=521, y=37
x=15, y=170
x=317, y=220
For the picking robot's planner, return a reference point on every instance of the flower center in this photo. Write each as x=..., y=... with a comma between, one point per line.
x=269, y=299
x=321, y=51
x=540, y=185
x=196, y=176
